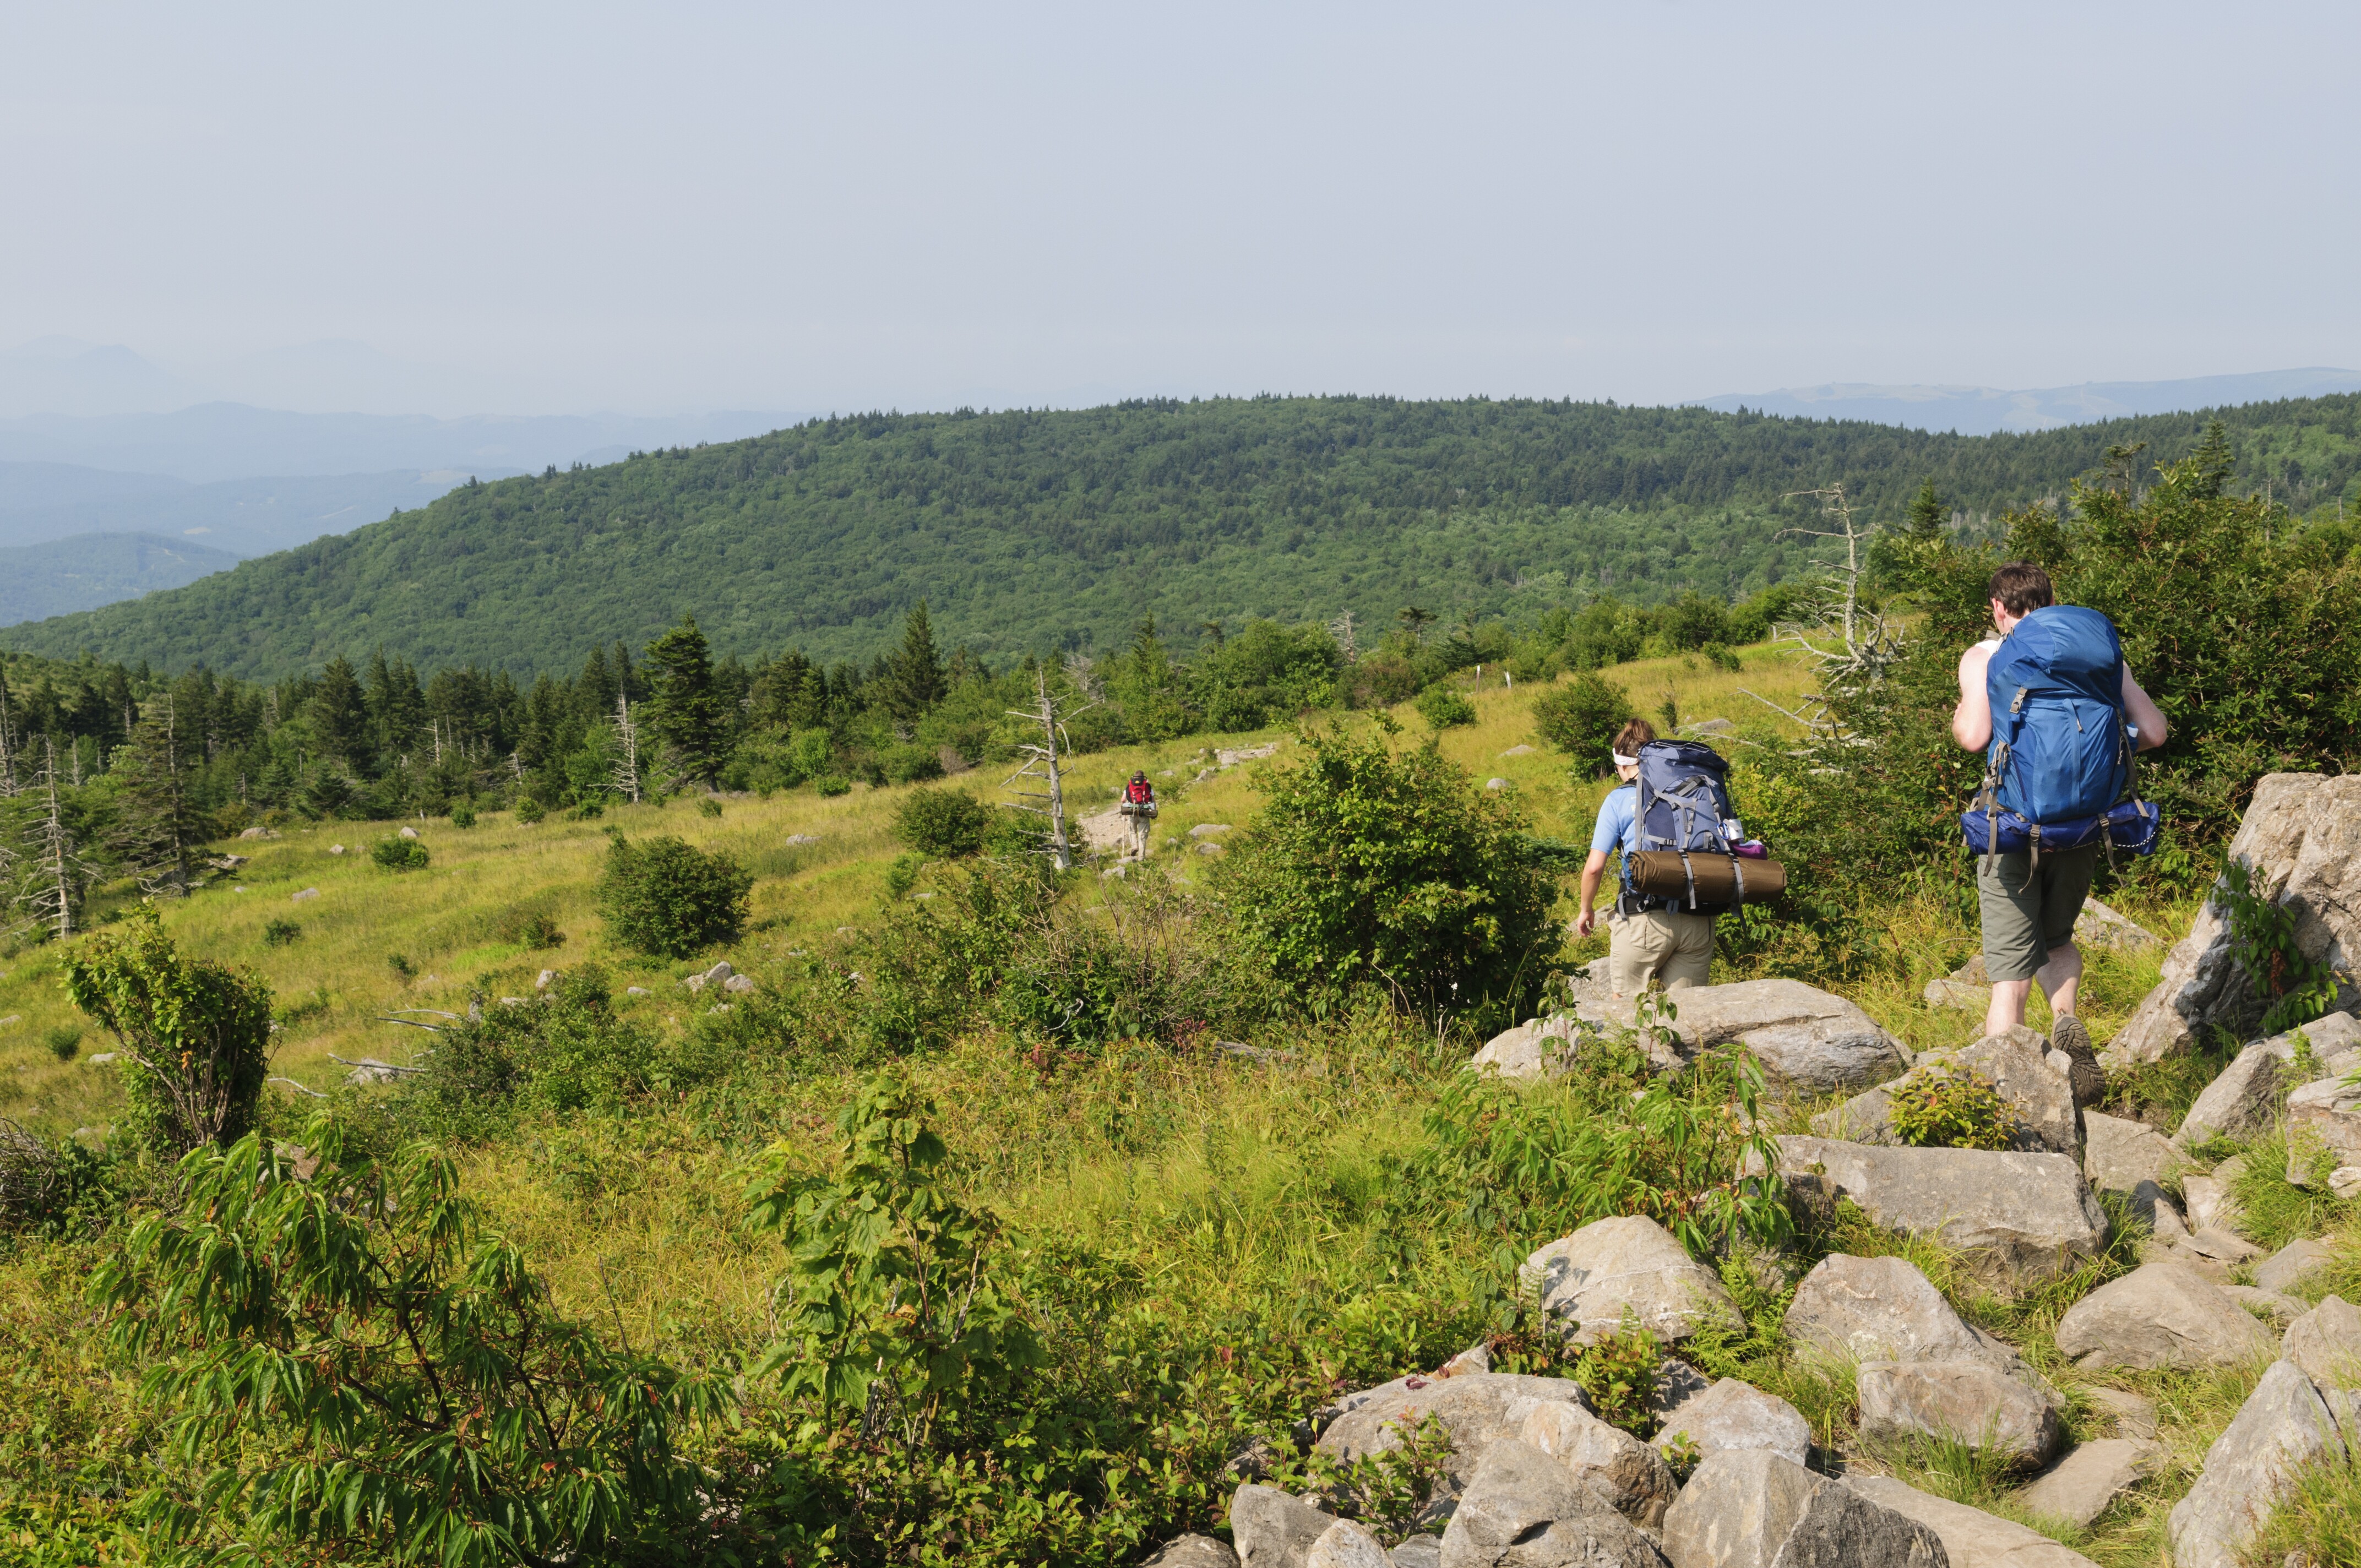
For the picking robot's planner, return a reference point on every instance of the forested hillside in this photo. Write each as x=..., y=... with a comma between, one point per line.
x=1035, y=531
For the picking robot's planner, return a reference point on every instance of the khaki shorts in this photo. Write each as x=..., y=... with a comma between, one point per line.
x=2022, y=924
x=1678, y=947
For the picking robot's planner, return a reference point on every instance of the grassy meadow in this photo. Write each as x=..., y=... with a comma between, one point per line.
x=1213, y=1183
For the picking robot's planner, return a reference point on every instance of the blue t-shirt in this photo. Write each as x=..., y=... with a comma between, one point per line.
x=1619, y=822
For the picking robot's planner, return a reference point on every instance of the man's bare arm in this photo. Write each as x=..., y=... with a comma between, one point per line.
x=1971, y=720
x=2144, y=713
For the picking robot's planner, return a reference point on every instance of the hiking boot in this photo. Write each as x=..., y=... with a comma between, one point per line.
x=2089, y=1080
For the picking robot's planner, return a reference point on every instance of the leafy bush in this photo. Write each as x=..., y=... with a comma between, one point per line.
x=1580, y=716
x=1619, y=1371
x=353, y=1367
x=1949, y=1106
x=588, y=811
x=2293, y=987
x=400, y=964
x=1443, y=707
x=194, y=1034
x=398, y=854
x=463, y=814
x=943, y=823
x=564, y=1051
x=60, y=1190
x=1368, y=869
x=662, y=896
x=532, y=929
x=529, y=810
x=832, y=785
x=708, y=807
x=1387, y=1491
x=64, y=1041
x=281, y=933
x=909, y=764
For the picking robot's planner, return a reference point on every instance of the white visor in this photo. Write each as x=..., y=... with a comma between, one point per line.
x=1624, y=761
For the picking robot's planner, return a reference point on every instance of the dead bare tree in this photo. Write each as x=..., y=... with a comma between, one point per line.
x=1851, y=646
x=627, y=737
x=50, y=887
x=1084, y=675
x=1342, y=629
x=1041, y=762
x=8, y=784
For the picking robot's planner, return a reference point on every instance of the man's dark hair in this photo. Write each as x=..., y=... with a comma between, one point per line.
x=2022, y=588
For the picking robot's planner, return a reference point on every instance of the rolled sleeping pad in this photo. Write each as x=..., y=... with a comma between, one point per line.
x=1706, y=878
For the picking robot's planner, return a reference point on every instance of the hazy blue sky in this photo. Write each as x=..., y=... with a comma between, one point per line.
x=580, y=206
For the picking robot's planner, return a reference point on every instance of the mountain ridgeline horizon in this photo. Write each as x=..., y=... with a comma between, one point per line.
x=1041, y=531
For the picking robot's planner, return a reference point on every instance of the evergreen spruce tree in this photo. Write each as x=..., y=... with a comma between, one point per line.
x=1929, y=514
x=684, y=708
x=157, y=829
x=340, y=717
x=2214, y=461
x=914, y=681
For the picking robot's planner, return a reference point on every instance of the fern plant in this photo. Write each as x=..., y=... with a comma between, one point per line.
x=1951, y=1107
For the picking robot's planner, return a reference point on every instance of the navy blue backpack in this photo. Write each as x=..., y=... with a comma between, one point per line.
x=1683, y=806
x=2058, y=773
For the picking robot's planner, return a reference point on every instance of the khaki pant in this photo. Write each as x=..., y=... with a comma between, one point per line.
x=1658, y=943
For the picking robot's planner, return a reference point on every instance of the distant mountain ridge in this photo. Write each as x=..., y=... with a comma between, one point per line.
x=1988, y=411
x=41, y=580
x=1036, y=530
x=44, y=501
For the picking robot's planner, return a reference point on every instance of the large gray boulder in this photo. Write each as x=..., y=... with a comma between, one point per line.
x=1633, y=1476
x=2017, y=1217
x=1589, y=1280
x=1536, y=1049
x=2087, y=1481
x=2283, y=1426
x=1807, y=1039
x=1479, y=1408
x=1274, y=1529
x=1419, y=1552
x=1347, y=1544
x=1753, y=1509
x=2326, y=1343
x=1883, y=1309
x=2329, y=1112
x=2161, y=1314
x=1193, y=1551
x=1973, y=1403
x=2132, y=1159
x=1523, y=1509
x=2239, y=1102
x=1735, y=1416
x=2289, y=1267
x=2040, y=1097
x=2303, y=838
x=1971, y=1536
x=2099, y=927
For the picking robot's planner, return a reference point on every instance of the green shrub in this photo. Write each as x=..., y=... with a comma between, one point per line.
x=1619, y=1371
x=1949, y=1106
x=386, y=1379
x=1369, y=869
x=832, y=785
x=588, y=811
x=1580, y=717
x=942, y=823
x=64, y=1041
x=398, y=854
x=532, y=929
x=708, y=807
x=661, y=896
x=563, y=1051
x=529, y=810
x=463, y=814
x=281, y=933
x=2293, y=987
x=1389, y=1491
x=400, y=964
x=1443, y=707
x=910, y=764
x=195, y=1036
x=903, y=874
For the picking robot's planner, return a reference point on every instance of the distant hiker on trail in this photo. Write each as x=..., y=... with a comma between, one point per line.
x=1645, y=940
x=1138, y=811
x=2072, y=717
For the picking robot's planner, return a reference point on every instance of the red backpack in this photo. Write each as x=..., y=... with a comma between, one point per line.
x=1138, y=792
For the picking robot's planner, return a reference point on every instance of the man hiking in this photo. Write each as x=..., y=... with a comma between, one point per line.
x=1139, y=810
x=1642, y=944
x=2029, y=898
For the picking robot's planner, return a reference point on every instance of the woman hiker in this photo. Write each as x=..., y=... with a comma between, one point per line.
x=1644, y=943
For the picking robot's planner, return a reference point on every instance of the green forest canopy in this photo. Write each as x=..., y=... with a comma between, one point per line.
x=1033, y=530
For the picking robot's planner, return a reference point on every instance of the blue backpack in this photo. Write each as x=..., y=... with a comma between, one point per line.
x=1683, y=805
x=2060, y=766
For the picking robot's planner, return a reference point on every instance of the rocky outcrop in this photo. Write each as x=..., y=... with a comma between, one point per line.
x=2160, y=1314
x=2040, y=1097
x=1347, y=1545
x=2239, y=1102
x=1805, y=1039
x=1883, y=1309
x=1732, y=1416
x=2328, y=1112
x=1523, y=1509
x=1589, y=1280
x=2283, y=1426
x=1272, y=1529
x=1753, y=1510
x=2132, y=1159
x=1633, y=1476
x=1193, y=1551
x=2288, y=1268
x=1536, y=1049
x=1478, y=1407
x=2326, y=1343
x=1973, y=1403
x=2099, y=927
x=2086, y=1483
x=2302, y=837
x=2017, y=1217
x=1971, y=1536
